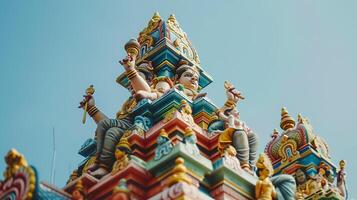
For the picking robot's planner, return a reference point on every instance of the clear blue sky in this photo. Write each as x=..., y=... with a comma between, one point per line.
x=298, y=54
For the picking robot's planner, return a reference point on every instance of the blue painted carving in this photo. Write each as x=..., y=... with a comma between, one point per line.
x=191, y=147
x=142, y=122
x=88, y=148
x=164, y=147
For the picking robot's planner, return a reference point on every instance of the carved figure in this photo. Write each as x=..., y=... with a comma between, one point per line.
x=122, y=154
x=186, y=111
x=14, y=161
x=341, y=179
x=264, y=189
x=109, y=131
x=236, y=132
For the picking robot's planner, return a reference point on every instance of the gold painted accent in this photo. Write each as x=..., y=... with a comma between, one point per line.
x=286, y=144
x=16, y=161
x=165, y=62
x=275, y=133
x=264, y=189
x=287, y=122
x=164, y=134
x=169, y=115
x=121, y=154
x=179, y=173
x=73, y=176
x=144, y=36
x=189, y=131
x=90, y=162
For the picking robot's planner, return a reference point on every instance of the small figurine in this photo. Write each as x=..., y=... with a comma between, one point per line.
x=122, y=154
x=14, y=161
x=264, y=189
x=186, y=112
x=341, y=179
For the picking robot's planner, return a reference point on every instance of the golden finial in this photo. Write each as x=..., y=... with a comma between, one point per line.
x=275, y=133
x=163, y=133
x=124, y=143
x=189, y=131
x=287, y=122
x=179, y=173
x=156, y=16
x=230, y=150
x=172, y=18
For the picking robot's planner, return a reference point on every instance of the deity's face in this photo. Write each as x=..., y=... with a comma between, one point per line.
x=189, y=79
x=162, y=86
x=300, y=176
x=263, y=173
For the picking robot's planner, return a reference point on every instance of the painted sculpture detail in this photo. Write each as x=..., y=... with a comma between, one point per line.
x=169, y=141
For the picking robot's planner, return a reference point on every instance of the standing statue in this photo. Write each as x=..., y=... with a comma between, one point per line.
x=109, y=131
x=341, y=179
x=236, y=132
x=281, y=187
x=264, y=188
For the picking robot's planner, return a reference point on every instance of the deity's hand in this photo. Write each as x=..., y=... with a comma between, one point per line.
x=89, y=99
x=128, y=62
x=139, y=95
x=234, y=95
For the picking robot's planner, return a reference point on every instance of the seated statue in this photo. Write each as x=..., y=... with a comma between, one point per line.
x=236, y=132
x=109, y=131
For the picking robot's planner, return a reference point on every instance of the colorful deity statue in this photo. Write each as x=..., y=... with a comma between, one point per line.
x=264, y=189
x=122, y=154
x=109, y=131
x=236, y=132
x=341, y=178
